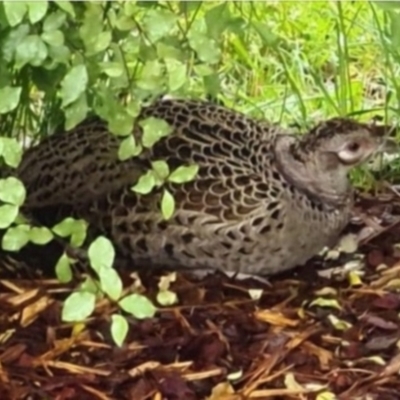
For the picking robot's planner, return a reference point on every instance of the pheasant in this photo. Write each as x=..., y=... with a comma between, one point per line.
x=263, y=201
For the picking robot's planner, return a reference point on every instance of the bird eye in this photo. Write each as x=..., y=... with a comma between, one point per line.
x=353, y=146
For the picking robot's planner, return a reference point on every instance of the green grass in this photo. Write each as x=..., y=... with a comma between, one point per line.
x=301, y=62
x=322, y=59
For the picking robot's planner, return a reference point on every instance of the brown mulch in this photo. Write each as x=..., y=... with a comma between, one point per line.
x=307, y=337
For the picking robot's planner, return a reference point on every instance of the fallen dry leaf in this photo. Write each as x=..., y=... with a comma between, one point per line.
x=328, y=330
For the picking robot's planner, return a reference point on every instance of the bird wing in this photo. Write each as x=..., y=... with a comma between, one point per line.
x=75, y=167
x=82, y=165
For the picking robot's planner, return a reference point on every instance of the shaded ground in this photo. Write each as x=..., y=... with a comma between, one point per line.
x=307, y=336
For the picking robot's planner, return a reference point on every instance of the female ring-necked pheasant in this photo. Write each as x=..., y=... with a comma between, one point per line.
x=263, y=201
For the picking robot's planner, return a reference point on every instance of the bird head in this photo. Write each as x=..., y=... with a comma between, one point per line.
x=342, y=143
x=319, y=161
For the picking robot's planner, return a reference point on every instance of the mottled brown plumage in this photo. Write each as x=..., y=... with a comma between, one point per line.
x=263, y=201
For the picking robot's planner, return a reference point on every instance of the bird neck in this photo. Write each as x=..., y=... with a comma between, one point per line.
x=321, y=180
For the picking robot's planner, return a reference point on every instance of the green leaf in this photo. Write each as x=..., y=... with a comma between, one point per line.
x=394, y=29
x=59, y=54
x=101, y=43
x=73, y=84
x=132, y=47
x=37, y=10
x=1, y=146
x=326, y=395
x=53, y=38
x=158, y=23
x=266, y=34
x=76, y=112
x=92, y=286
x=217, y=19
x=177, y=74
x=121, y=124
x=6, y=74
x=72, y=227
x=66, y=6
x=63, y=269
x=139, y=306
x=212, y=84
x=119, y=329
x=112, y=69
x=14, y=11
x=184, y=174
x=54, y=21
x=124, y=23
x=8, y=213
x=40, y=235
x=145, y=184
x=9, y=98
x=65, y=227
x=133, y=108
x=128, y=148
x=165, y=51
x=167, y=204
x=101, y=254
x=11, y=41
x=78, y=306
x=12, y=150
x=167, y=298
x=161, y=170
x=205, y=47
x=21, y=220
x=151, y=76
x=153, y=130
x=107, y=107
x=189, y=6
x=12, y=191
x=91, y=31
x=15, y=238
x=324, y=302
x=122, y=81
x=111, y=283
x=388, y=5
x=31, y=50
x=78, y=234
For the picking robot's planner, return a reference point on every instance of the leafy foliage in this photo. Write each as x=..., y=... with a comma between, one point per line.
x=16, y=237
x=75, y=229
x=183, y=174
x=78, y=306
x=167, y=204
x=12, y=191
x=11, y=151
x=101, y=255
x=119, y=328
x=138, y=305
x=63, y=269
x=158, y=175
x=9, y=98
